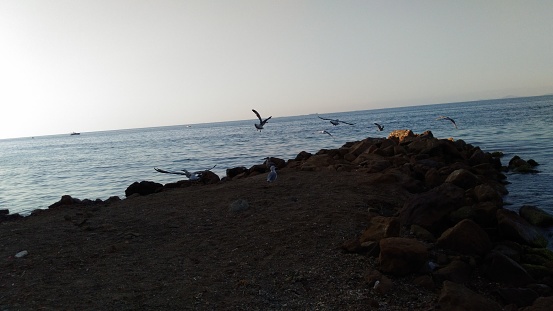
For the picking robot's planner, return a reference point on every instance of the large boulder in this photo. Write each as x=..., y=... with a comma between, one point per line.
x=143, y=188
x=431, y=209
x=463, y=178
x=466, y=237
x=536, y=216
x=512, y=226
x=500, y=268
x=208, y=177
x=458, y=297
x=401, y=256
x=380, y=227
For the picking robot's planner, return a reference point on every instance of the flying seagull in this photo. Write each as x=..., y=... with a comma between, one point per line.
x=335, y=121
x=272, y=174
x=261, y=121
x=191, y=176
x=325, y=132
x=447, y=118
x=380, y=127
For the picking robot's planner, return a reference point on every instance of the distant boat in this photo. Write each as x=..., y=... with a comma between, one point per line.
x=75, y=133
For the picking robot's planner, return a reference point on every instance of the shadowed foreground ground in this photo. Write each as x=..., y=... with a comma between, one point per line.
x=184, y=249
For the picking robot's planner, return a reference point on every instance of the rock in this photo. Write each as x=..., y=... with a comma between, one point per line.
x=456, y=271
x=486, y=193
x=512, y=226
x=400, y=135
x=302, y=156
x=455, y=296
x=401, y=256
x=467, y=238
x=431, y=209
x=463, y=178
x=380, y=227
x=518, y=165
x=540, y=304
x=536, y=216
x=521, y=297
x=233, y=172
x=65, y=200
x=21, y=254
x=319, y=160
x=421, y=233
x=143, y=188
x=383, y=285
x=208, y=177
x=500, y=268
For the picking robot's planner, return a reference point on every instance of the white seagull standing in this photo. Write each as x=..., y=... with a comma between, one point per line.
x=447, y=118
x=335, y=121
x=272, y=174
x=261, y=121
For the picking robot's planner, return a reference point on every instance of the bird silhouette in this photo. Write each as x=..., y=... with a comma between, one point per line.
x=261, y=121
x=447, y=118
x=380, y=127
x=335, y=121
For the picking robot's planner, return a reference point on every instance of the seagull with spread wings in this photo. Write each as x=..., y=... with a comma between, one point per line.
x=447, y=118
x=335, y=121
x=191, y=176
x=380, y=127
x=261, y=121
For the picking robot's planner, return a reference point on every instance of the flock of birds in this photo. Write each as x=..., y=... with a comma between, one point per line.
x=335, y=122
x=272, y=176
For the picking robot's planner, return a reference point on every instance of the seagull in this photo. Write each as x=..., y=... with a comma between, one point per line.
x=267, y=161
x=380, y=127
x=325, y=132
x=272, y=174
x=191, y=176
x=335, y=121
x=261, y=121
x=447, y=118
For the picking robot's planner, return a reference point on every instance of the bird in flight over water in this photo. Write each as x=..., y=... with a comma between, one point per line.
x=447, y=118
x=380, y=127
x=335, y=121
x=261, y=121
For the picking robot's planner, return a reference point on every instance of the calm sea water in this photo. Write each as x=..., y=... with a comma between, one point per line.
x=36, y=172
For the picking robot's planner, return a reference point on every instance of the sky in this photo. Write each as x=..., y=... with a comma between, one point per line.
x=116, y=64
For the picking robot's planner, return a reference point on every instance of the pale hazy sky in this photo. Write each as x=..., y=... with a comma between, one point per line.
x=103, y=65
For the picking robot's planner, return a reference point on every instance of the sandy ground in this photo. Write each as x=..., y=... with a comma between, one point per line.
x=237, y=245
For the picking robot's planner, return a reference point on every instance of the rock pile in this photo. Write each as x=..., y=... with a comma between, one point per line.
x=453, y=229
x=453, y=232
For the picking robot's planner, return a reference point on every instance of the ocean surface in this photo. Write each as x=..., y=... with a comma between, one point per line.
x=36, y=172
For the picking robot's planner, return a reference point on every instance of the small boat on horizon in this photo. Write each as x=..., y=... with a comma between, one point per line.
x=75, y=133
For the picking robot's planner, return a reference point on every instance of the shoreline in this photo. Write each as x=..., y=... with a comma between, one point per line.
x=346, y=209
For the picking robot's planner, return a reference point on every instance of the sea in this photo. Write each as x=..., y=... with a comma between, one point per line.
x=36, y=171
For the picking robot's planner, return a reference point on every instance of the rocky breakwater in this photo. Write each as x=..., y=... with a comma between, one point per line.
x=452, y=234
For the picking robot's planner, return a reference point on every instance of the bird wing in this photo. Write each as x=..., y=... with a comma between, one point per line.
x=324, y=118
x=345, y=122
x=200, y=172
x=257, y=114
x=169, y=172
x=265, y=121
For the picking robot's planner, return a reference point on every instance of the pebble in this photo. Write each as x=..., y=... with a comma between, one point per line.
x=21, y=254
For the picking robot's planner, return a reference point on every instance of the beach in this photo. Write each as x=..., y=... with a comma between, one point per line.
x=317, y=238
